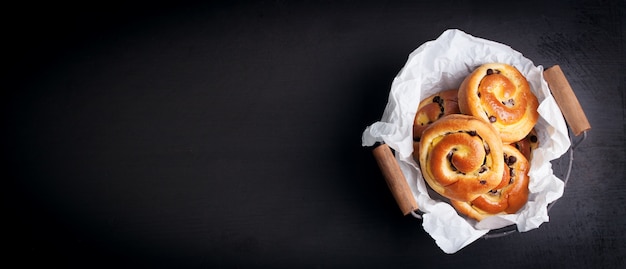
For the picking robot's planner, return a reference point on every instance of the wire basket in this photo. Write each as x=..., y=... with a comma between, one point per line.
x=578, y=127
x=442, y=64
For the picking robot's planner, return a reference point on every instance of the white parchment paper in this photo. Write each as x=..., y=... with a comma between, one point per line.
x=443, y=64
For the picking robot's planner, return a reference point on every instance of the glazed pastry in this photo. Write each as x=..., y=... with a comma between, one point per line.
x=508, y=197
x=528, y=144
x=499, y=94
x=460, y=157
x=433, y=108
x=430, y=110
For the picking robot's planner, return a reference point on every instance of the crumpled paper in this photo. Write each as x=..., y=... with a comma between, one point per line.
x=443, y=64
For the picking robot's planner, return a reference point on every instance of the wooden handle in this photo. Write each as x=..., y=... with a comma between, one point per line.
x=395, y=179
x=566, y=99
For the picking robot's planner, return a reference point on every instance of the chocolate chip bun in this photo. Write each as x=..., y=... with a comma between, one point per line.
x=508, y=197
x=430, y=110
x=527, y=145
x=461, y=157
x=433, y=108
x=499, y=94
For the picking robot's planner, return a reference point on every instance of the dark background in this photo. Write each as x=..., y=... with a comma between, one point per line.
x=228, y=134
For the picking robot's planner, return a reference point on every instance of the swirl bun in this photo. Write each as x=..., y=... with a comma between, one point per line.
x=499, y=94
x=461, y=157
x=528, y=144
x=433, y=108
x=430, y=110
x=508, y=197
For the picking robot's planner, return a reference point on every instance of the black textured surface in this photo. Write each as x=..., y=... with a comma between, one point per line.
x=228, y=134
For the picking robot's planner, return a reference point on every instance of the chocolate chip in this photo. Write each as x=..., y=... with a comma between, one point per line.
x=493, y=191
x=472, y=133
x=533, y=138
x=482, y=169
x=449, y=157
x=492, y=71
x=511, y=160
x=478, y=94
x=487, y=150
x=492, y=119
x=509, y=102
x=437, y=99
x=483, y=182
x=451, y=153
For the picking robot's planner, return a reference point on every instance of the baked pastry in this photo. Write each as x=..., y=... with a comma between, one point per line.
x=528, y=144
x=430, y=110
x=508, y=197
x=499, y=94
x=433, y=108
x=460, y=157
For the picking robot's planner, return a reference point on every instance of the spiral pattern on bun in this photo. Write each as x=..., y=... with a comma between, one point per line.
x=461, y=157
x=430, y=110
x=433, y=108
x=499, y=94
x=508, y=197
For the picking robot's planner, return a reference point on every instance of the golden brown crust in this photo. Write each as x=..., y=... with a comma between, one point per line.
x=499, y=94
x=509, y=197
x=528, y=144
x=461, y=157
x=433, y=108
x=430, y=110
